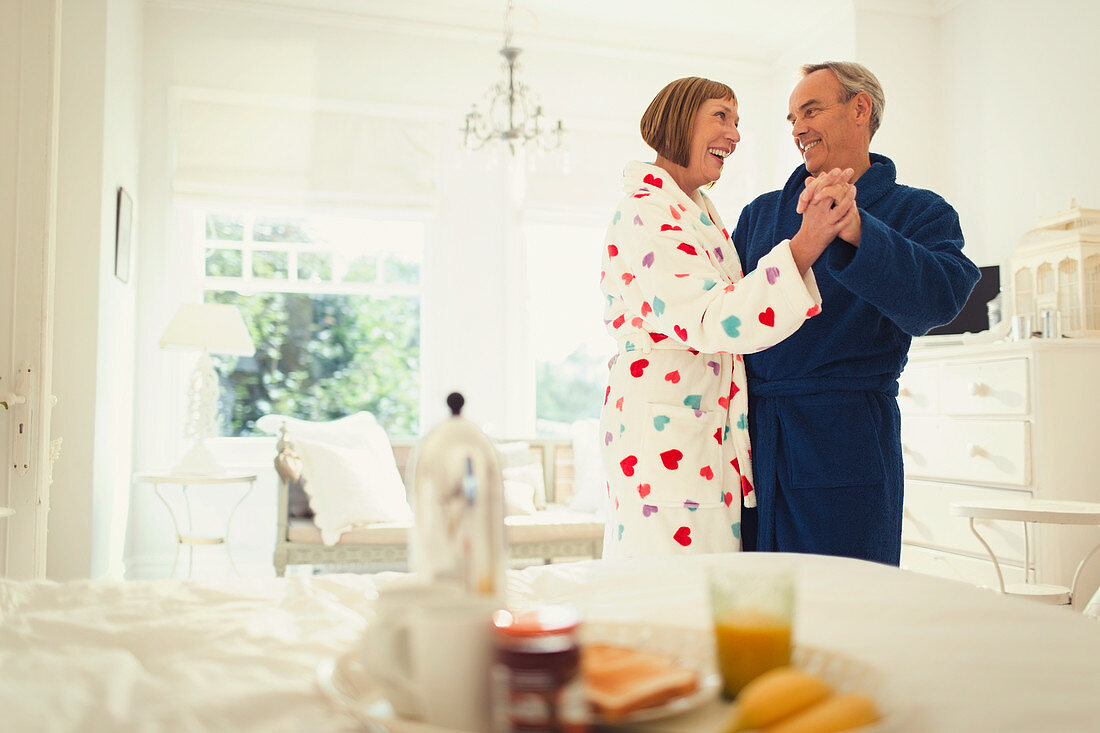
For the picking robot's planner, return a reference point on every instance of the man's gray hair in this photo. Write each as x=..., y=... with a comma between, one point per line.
x=855, y=78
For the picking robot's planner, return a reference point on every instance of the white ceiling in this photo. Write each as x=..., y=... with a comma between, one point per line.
x=745, y=30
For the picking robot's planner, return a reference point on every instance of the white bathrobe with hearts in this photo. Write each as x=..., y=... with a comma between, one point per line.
x=674, y=421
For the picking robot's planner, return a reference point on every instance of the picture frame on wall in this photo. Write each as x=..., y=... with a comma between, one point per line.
x=124, y=216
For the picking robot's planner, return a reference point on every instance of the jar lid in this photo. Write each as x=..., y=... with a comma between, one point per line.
x=539, y=621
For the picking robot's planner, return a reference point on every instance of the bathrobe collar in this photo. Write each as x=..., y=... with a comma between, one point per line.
x=697, y=209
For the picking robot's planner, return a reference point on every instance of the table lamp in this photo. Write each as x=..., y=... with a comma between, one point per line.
x=217, y=329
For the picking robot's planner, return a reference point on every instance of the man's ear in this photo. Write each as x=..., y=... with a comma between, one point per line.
x=863, y=107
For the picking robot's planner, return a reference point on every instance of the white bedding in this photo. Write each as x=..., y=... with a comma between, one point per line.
x=174, y=655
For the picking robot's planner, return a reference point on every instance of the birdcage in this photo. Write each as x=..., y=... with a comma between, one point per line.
x=1056, y=267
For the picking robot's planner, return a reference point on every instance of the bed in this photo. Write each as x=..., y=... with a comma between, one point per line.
x=175, y=655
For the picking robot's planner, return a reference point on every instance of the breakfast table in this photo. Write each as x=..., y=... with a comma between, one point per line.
x=950, y=657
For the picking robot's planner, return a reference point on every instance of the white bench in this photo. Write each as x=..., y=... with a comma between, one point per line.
x=556, y=532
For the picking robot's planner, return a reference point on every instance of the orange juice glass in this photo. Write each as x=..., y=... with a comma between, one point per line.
x=753, y=615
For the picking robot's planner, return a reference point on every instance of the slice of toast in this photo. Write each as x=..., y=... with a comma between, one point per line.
x=622, y=680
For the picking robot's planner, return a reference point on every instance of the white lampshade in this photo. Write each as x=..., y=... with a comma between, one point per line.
x=212, y=328
x=219, y=329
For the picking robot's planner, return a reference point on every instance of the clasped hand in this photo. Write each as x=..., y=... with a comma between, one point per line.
x=828, y=206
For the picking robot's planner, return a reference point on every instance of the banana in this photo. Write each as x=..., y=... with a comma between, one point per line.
x=775, y=695
x=837, y=713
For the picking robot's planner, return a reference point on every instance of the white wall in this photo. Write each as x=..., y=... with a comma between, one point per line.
x=93, y=363
x=901, y=49
x=832, y=38
x=1019, y=116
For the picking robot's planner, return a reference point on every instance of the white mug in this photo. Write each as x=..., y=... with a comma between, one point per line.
x=428, y=651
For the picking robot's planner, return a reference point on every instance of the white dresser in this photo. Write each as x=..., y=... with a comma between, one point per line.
x=993, y=421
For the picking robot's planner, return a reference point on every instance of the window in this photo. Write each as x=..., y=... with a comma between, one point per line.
x=333, y=306
x=571, y=345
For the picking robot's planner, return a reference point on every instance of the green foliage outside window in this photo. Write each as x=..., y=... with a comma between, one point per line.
x=322, y=357
x=280, y=230
x=315, y=266
x=568, y=390
x=224, y=227
x=224, y=262
x=270, y=265
x=362, y=270
x=400, y=271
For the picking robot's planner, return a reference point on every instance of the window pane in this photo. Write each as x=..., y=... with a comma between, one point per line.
x=569, y=389
x=401, y=271
x=321, y=357
x=224, y=263
x=280, y=230
x=314, y=266
x=224, y=227
x=362, y=270
x=270, y=265
x=566, y=310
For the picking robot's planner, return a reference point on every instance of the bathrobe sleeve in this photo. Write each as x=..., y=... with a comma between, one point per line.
x=659, y=267
x=915, y=274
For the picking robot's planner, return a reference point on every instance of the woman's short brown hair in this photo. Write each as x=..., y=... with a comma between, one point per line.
x=668, y=121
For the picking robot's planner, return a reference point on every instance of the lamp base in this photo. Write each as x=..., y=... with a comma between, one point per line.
x=199, y=461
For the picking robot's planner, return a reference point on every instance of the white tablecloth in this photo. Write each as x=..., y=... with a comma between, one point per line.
x=954, y=658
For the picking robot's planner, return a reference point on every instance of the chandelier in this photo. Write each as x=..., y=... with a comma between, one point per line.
x=514, y=115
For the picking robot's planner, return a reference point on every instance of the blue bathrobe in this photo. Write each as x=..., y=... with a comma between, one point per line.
x=824, y=423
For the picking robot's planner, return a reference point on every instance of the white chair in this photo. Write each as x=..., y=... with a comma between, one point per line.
x=1031, y=511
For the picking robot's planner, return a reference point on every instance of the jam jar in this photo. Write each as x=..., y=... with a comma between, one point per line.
x=536, y=682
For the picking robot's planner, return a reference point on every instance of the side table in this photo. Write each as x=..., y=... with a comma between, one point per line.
x=1030, y=511
x=186, y=481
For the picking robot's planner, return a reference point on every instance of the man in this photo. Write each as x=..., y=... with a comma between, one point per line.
x=823, y=418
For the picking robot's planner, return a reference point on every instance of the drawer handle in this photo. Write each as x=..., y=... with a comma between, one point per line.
x=904, y=392
x=977, y=389
x=974, y=450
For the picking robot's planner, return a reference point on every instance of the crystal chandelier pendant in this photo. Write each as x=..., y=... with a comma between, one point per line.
x=514, y=117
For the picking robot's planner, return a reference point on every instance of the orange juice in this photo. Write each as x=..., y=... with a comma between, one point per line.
x=749, y=644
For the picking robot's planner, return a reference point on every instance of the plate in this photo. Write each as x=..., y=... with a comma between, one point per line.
x=704, y=709
x=690, y=648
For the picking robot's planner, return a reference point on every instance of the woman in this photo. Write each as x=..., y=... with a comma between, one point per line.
x=675, y=441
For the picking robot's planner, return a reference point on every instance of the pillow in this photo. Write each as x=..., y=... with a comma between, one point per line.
x=350, y=487
x=532, y=475
x=589, y=476
x=353, y=431
x=514, y=454
x=519, y=498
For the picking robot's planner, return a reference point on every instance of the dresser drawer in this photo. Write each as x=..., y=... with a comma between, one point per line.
x=985, y=388
x=982, y=451
x=958, y=567
x=918, y=390
x=926, y=520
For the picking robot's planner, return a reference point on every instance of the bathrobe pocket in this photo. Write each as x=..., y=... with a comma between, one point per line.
x=832, y=440
x=682, y=455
